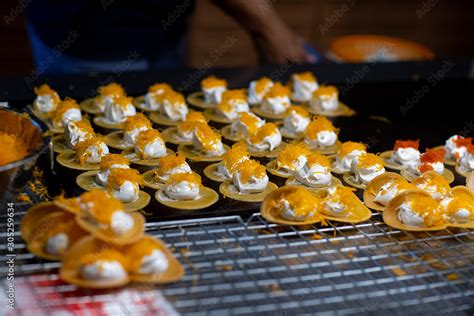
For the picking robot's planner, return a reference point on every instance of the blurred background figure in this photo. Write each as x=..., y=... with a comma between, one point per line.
x=51, y=36
x=79, y=36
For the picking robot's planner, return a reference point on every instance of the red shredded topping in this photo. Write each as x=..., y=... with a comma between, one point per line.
x=425, y=167
x=433, y=155
x=406, y=144
x=463, y=141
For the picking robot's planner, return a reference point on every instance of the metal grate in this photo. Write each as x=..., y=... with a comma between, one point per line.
x=247, y=267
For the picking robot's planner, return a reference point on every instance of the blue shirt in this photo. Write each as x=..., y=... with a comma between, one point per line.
x=110, y=29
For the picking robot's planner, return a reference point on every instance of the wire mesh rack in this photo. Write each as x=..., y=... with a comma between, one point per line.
x=237, y=266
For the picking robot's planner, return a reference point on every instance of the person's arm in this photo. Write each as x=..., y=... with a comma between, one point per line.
x=274, y=40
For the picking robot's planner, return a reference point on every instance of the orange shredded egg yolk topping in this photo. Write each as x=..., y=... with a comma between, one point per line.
x=346, y=197
x=207, y=136
x=306, y=76
x=250, y=121
x=213, y=82
x=81, y=148
x=291, y=153
x=174, y=98
x=112, y=89
x=45, y=89
x=429, y=157
x=13, y=148
x=262, y=84
x=84, y=125
x=234, y=156
x=67, y=226
x=463, y=142
x=433, y=180
x=138, y=250
x=107, y=254
x=63, y=106
x=250, y=168
x=317, y=125
x=348, y=147
x=169, y=162
x=326, y=91
x=136, y=121
x=301, y=201
x=147, y=137
x=317, y=158
x=406, y=144
x=368, y=160
x=461, y=202
x=100, y=205
x=192, y=119
x=123, y=101
x=113, y=159
x=236, y=94
x=428, y=208
x=266, y=130
x=190, y=177
x=298, y=110
x=278, y=90
x=160, y=87
x=118, y=176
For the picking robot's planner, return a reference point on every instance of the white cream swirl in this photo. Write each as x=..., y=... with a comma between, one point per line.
x=183, y=190
x=103, y=270
x=295, y=123
x=408, y=156
x=303, y=89
x=213, y=95
x=254, y=184
x=277, y=105
x=314, y=175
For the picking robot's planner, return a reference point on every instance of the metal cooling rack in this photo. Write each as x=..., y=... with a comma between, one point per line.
x=236, y=266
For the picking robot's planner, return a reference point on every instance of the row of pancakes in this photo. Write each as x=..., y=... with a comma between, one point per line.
x=198, y=141
x=100, y=244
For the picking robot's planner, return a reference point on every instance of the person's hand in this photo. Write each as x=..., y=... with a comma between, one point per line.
x=279, y=45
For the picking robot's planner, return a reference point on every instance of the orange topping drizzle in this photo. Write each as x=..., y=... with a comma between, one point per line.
x=236, y=94
x=317, y=125
x=113, y=159
x=406, y=144
x=13, y=148
x=368, y=160
x=192, y=119
x=84, y=125
x=136, y=121
x=45, y=89
x=63, y=106
x=463, y=141
x=428, y=208
x=118, y=176
x=291, y=153
x=147, y=137
x=207, y=136
x=169, y=162
x=433, y=180
x=191, y=177
x=278, y=90
x=266, y=130
x=250, y=168
x=301, y=201
x=298, y=110
x=326, y=91
x=105, y=254
x=81, y=148
x=348, y=147
x=138, y=250
x=173, y=97
x=112, y=89
x=100, y=205
x=306, y=76
x=160, y=87
x=249, y=120
x=213, y=82
x=262, y=84
x=317, y=158
x=234, y=156
x=461, y=202
x=123, y=101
